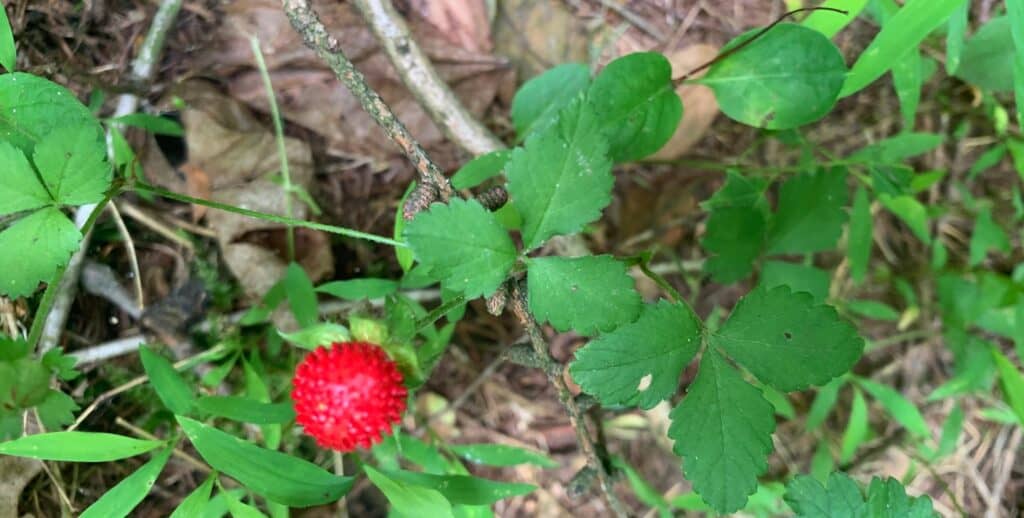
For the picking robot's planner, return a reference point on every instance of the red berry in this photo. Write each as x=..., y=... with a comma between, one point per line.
x=347, y=396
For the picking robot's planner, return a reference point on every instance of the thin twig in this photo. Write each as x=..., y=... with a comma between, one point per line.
x=133, y=259
x=748, y=41
x=314, y=34
x=422, y=80
x=634, y=19
x=518, y=304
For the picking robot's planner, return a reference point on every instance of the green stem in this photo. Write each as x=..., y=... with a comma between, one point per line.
x=268, y=217
x=661, y=282
x=275, y=115
x=438, y=312
x=53, y=287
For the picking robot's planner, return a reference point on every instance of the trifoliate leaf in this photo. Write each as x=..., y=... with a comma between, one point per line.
x=787, y=340
x=57, y=410
x=739, y=191
x=464, y=245
x=637, y=105
x=888, y=499
x=24, y=383
x=790, y=76
x=72, y=161
x=561, y=179
x=723, y=430
x=63, y=365
x=34, y=247
x=640, y=363
x=798, y=277
x=810, y=216
x=19, y=188
x=840, y=498
x=586, y=294
x=537, y=103
x=32, y=107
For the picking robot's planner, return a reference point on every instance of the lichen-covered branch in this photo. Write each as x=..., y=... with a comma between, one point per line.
x=420, y=78
x=315, y=35
x=518, y=304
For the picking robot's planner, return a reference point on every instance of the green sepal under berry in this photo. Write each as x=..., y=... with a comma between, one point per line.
x=561, y=179
x=637, y=105
x=723, y=430
x=586, y=294
x=657, y=345
x=464, y=245
x=786, y=340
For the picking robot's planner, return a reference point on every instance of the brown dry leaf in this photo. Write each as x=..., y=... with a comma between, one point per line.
x=699, y=105
x=235, y=155
x=311, y=96
x=197, y=185
x=462, y=22
x=539, y=34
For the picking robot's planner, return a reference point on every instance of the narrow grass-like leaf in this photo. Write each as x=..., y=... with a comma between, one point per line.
x=901, y=409
x=77, y=446
x=410, y=499
x=195, y=502
x=900, y=35
x=1012, y=382
x=856, y=427
x=318, y=334
x=275, y=475
x=301, y=295
x=502, y=455
x=830, y=23
x=358, y=289
x=7, y=49
x=463, y=489
x=859, y=235
x=955, y=30
x=154, y=124
x=170, y=387
x=246, y=410
x=128, y=493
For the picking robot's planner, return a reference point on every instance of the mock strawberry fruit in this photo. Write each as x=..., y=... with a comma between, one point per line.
x=347, y=396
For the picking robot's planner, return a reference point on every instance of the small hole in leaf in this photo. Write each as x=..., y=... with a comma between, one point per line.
x=788, y=335
x=645, y=383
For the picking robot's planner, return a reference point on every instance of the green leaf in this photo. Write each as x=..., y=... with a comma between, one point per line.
x=128, y=493
x=888, y=499
x=810, y=217
x=897, y=148
x=57, y=410
x=830, y=23
x=824, y=402
x=955, y=29
x=723, y=430
x=241, y=509
x=72, y=162
x=989, y=56
x=859, y=236
x=359, y=289
x=8, y=56
x=35, y=247
x=301, y=295
x=316, y=335
x=787, y=341
x=1015, y=12
x=907, y=79
x=176, y=394
x=799, y=278
x=649, y=353
x=20, y=189
x=735, y=237
x=911, y=211
x=839, y=498
x=196, y=501
x=987, y=236
x=24, y=383
x=502, y=455
x=154, y=124
x=788, y=77
x=561, y=179
x=77, y=446
x=246, y=410
x=481, y=168
x=636, y=105
x=32, y=107
x=643, y=490
x=1012, y=382
x=282, y=478
x=462, y=489
x=537, y=103
x=61, y=364
x=409, y=500
x=464, y=245
x=902, y=410
x=873, y=309
x=256, y=389
x=856, y=428
x=951, y=430
x=586, y=294
x=403, y=254
x=901, y=34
